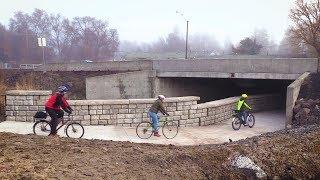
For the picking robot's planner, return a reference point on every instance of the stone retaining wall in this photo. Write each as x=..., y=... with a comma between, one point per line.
x=22, y=105
x=221, y=110
x=128, y=112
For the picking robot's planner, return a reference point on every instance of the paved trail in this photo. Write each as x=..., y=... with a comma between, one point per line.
x=265, y=122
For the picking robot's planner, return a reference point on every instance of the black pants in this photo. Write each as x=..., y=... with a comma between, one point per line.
x=55, y=115
x=244, y=114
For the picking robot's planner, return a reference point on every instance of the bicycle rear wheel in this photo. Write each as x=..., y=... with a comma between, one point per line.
x=144, y=130
x=170, y=129
x=251, y=120
x=42, y=128
x=236, y=123
x=74, y=130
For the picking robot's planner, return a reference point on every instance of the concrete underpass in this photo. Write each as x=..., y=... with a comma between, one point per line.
x=210, y=89
x=209, y=79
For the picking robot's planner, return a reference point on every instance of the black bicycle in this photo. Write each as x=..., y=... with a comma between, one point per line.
x=72, y=129
x=237, y=120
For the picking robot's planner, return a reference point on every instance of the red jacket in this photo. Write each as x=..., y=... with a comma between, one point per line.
x=56, y=102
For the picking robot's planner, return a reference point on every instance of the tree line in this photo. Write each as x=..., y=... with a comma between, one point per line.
x=77, y=39
x=89, y=38
x=259, y=43
x=302, y=39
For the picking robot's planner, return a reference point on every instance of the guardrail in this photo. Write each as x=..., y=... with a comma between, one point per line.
x=21, y=66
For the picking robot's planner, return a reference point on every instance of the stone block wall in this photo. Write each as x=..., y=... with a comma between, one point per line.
x=221, y=110
x=128, y=112
x=22, y=105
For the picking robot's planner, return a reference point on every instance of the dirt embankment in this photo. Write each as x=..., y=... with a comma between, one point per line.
x=281, y=155
x=30, y=80
x=24, y=79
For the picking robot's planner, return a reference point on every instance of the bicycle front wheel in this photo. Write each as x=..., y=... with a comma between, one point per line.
x=74, y=130
x=42, y=128
x=236, y=123
x=170, y=129
x=144, y=130
x=251, y=120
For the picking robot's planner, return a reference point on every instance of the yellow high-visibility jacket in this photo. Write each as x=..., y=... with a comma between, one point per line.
x=241, y=104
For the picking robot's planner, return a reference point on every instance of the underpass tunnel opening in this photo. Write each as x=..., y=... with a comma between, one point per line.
x=210, y=89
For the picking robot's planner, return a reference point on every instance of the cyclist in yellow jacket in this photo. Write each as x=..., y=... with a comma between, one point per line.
x=242, y=106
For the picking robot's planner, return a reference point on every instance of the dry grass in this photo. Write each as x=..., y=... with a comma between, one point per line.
x=3, y=86
x=3, y=89
x=24, y=83
x=27, y=83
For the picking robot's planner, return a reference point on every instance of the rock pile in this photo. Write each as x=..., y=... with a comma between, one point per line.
x=306, y=111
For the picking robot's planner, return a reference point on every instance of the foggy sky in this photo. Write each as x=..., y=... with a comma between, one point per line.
x=146, y=20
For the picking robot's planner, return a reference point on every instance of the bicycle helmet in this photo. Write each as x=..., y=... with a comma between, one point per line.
x=244, y=96
x=161, y=97
x=63, y=89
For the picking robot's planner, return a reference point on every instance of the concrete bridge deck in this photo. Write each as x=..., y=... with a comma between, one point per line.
x=249, y=68
x=265, y=122
x=277, y=68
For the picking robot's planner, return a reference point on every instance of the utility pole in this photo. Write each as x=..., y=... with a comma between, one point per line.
x=187, y=33
x=27, y=50
x=186, y=57
x=42, y=43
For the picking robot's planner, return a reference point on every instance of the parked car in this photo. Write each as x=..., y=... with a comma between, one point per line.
x=87, y=61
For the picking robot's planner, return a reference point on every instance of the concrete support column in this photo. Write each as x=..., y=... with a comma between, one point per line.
x=292, y=95
x=156, y=87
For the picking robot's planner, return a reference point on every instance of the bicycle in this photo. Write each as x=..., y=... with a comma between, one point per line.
x=237, y=120
x=169, y=129
x=72, y=129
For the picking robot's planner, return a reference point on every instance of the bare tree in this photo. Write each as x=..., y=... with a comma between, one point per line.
x=20, y=37
x=175, y=42
x=39, y=23
x=306, y=22
x=93, y=37
x=227, y=47
x=57, y=35
x=204, y=44
x=4, y=49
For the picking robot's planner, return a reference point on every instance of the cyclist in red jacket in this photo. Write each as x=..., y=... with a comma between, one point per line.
x=54, y=107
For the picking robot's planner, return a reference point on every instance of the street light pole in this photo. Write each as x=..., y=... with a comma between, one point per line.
x=187, y=34
x=44, y=62
x=186, y=57
x=42, y=43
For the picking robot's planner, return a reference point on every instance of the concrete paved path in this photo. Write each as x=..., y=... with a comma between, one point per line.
x=265, y=122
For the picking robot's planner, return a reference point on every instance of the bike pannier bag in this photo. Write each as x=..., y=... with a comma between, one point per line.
x=41, y=114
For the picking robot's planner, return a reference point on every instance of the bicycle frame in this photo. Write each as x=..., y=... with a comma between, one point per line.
x=238, y=115
x=160, y=121
x=64, y=122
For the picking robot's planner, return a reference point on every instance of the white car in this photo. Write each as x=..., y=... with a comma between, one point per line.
x=87, y=61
